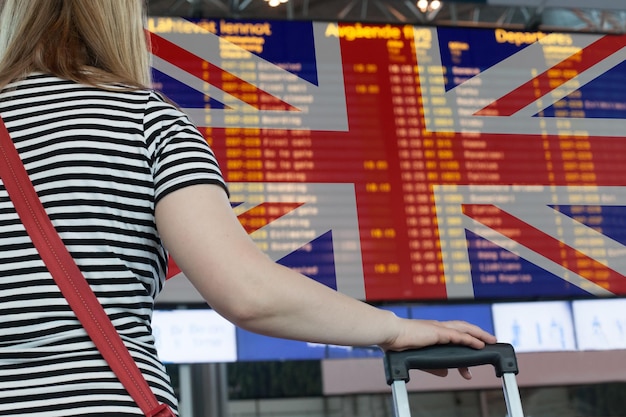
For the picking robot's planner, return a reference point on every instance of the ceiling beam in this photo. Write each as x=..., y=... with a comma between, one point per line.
x=515, y=14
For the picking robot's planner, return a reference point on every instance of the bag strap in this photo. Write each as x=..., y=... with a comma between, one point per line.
x=70, y=279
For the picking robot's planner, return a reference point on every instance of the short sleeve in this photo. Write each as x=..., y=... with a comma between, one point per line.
x=179, y=154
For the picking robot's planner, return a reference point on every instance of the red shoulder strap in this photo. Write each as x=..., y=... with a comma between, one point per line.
x=70, y=279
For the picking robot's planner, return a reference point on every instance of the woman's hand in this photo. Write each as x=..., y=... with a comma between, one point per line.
x=414, y=334
x=420, y=333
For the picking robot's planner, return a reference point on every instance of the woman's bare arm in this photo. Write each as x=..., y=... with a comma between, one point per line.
x=202, y=233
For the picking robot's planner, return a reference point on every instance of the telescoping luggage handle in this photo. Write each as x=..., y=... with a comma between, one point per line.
x=500, y=355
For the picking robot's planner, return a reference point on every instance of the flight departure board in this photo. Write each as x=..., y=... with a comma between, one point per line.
x=398, y=162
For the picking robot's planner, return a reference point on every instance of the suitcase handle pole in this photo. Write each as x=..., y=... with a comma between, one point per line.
x=400, y=397
x=500, y=355
x=511, y=395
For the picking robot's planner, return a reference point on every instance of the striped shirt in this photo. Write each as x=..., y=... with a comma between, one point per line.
x=100, y=160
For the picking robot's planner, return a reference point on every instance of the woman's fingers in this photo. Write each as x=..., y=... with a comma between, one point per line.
x=468, y=334
x=465, y=373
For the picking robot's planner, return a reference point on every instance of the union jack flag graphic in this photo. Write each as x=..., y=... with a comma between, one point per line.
x=399, y=162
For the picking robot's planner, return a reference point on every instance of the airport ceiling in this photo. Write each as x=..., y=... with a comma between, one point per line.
x=603, y=16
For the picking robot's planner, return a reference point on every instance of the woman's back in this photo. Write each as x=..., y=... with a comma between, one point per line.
x=99, y=160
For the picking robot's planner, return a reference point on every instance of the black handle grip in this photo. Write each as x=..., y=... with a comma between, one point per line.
x=500, y=355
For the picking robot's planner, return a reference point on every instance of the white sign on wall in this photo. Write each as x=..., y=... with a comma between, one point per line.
x=537, y=326
x=600, y=324
x=194, y=336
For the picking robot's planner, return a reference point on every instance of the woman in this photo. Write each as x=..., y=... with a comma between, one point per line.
x=123, y=174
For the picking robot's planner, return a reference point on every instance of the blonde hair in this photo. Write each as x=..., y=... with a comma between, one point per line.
x=96, y=42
